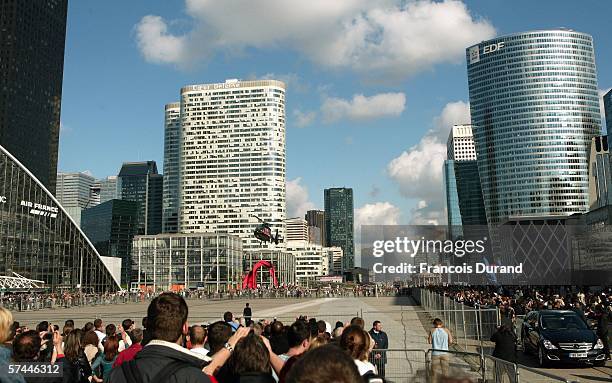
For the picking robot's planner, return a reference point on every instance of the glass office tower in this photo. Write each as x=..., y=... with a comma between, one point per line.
x=453, y=213
x=172, y=130
x=339, y=221
x=140, y=182
x=39, y=240
x=534, y=107
x=32, y=40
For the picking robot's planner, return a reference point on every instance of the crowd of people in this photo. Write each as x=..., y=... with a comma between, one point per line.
x=164, y=347
x=593, y=306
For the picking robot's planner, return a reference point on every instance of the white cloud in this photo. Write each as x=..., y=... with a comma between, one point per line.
x=298, y=201
x=390, y=38
x=303, y=119
x=292, y=81
x=157, y=45
x=378, y=213
x=363, y=107
x=418, y=170
x=601, y=93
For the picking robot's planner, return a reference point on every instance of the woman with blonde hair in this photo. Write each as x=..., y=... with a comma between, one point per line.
x=6, y=321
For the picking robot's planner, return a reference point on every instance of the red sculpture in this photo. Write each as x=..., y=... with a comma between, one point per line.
x=250, y=280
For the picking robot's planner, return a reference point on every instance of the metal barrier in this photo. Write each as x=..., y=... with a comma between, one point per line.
x=532, y=375
x=499, y=371
x=401, y=365
x=468, y=366
x=472, y=327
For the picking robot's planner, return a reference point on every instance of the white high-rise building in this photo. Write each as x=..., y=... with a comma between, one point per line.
x=297, y=229
x=460, y=145
x=232, y=158
x=104, y=190
x=73, y=192
x=311, y=261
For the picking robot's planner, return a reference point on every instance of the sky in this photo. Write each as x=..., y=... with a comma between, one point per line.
x=373, y=87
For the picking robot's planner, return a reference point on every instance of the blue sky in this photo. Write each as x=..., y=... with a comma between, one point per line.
x=126, y=59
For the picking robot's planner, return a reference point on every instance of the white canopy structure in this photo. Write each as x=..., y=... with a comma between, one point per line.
x=19, y=282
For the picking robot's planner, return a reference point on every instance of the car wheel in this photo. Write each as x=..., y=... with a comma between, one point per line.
x=542, y=358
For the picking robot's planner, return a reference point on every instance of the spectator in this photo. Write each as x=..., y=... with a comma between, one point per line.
x=90, y=346
x=69, y=323
x=125, y=339
x=163, y=359
x=356, y=342
x=247, y=314
x=251, y=361
x=197, y=335
x=603, y=322
x=6, y=321
x=76, y=367
x=332, y=365
x=99, y=329
x=356, y=321
x=381, y=342
x=104, y=362
x=89, y=326
x=130, y=352
x=505, y=348
x=228, y=318
x=439, y=338
x=319, y=341
x=219, y=334
x=298, y=337
x=278, y=338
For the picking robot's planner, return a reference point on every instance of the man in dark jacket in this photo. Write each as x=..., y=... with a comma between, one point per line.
x=505, y=348
x=379, y=358
x=163, y=359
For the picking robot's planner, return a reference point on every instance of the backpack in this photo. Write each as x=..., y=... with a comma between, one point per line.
x=131, y=372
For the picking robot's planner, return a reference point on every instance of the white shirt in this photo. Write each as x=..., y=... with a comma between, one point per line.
x=200, y=350
x=101, y=336
x=364, y=367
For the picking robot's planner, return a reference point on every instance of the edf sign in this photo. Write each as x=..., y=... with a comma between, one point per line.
x=492, y=48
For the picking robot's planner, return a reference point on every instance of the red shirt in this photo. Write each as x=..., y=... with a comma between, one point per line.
x=127, y=354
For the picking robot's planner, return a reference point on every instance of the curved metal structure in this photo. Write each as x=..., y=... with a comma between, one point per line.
x=38, y=238
x=250, y=280
x=20, y=283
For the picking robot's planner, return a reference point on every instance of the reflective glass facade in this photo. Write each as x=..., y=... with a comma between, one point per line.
x=39, y=240
x=339, y=221
x=453, y=214
x=140, y=182
x=534, y=107
x=172, y=130
x=179, y=261
x=111, y=226
x=607, y=99
x=32, y=40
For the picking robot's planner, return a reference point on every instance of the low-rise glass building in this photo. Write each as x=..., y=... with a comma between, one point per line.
x=187, y=261
x=39, y=240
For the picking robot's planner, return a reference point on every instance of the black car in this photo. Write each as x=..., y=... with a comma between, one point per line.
x=560, y=336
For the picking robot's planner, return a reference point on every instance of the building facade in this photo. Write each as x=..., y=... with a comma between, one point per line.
x=283, y=262
x=534, y=108
x=311, y=261
x=103, y=190
x=39, y=240
x=607, y=100
x=140, y=182
x=296, y=229
x=339, y=221
x=232, y=158
x=334, y=256
x=32, y=39
x=316, y=218
x=453, y=212
x=600, y=177
x=73, y=191
x=111, y=227
x=187, y=261
x=172, y=130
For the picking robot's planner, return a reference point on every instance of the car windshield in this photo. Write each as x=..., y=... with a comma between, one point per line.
x=562, y=322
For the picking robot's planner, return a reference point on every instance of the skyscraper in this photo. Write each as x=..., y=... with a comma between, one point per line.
x=316, y=219
x=534, y=107
x=73, y=191
x=172, y=130
x=607, y=99
x=232, y=158
x=453, y=213
x=140, y=182
x=111, y=227
x=600, y=178
x=296, y=229
x=32, y=39
x=339, y=223
x=104, y=190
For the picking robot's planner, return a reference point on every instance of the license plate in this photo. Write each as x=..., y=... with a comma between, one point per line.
x=578, y=355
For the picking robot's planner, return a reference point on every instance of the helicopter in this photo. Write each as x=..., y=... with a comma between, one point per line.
x=263, y=232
